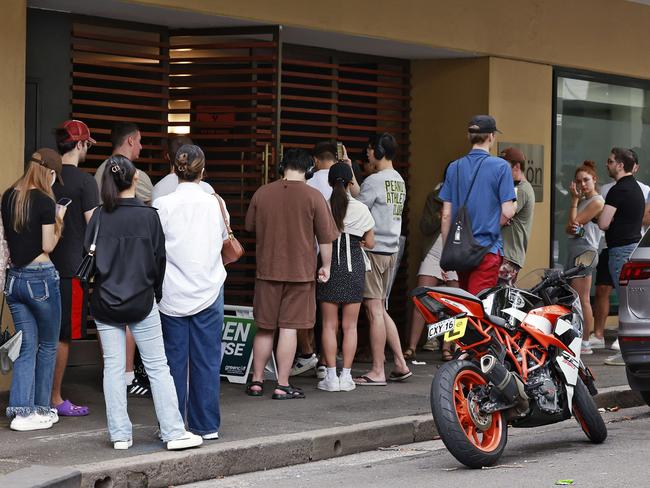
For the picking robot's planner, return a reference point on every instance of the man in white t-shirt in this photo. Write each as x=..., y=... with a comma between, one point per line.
x=170, y=182
x=603, y=282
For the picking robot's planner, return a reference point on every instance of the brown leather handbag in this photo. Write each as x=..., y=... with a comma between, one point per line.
x=232, y=249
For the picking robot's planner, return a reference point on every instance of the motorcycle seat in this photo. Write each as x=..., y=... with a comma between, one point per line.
x=445, y=290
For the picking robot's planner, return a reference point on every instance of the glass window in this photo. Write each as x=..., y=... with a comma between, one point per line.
x=593, y=117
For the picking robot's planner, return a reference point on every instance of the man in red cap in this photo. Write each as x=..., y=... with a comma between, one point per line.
x=82, y=196
x=516, y=232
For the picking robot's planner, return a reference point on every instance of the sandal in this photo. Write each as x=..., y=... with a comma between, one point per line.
x=409, y=354
x=69, y=409
x=289, y=393
x=396, y=376
x=447, y=355
x=255, y=393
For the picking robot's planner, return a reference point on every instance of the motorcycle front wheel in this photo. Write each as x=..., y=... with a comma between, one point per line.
x=474, y=438
x=587, y=415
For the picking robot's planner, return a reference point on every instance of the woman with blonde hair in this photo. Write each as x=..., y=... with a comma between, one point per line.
x=584, y=235
x=192, y=304
x=32, y=225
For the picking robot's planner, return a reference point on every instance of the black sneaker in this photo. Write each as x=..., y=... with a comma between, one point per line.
x=139, y=389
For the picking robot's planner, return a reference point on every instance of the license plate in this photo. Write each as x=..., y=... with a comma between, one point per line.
x=453, y=328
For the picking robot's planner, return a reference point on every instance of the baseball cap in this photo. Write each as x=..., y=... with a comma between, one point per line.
x=339, y=172
x=513, y=155
x=482, y=124
x=50, y=159
x=77, y=131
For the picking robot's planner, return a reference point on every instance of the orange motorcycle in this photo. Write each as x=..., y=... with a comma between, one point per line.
x=517, y=363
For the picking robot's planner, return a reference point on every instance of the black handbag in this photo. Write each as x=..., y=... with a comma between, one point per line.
x=86, y=269
x=461, y=251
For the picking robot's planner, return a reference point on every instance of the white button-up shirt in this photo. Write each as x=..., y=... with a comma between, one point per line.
x=194, y=234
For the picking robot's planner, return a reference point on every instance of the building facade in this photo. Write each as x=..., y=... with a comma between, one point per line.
x=249, y=79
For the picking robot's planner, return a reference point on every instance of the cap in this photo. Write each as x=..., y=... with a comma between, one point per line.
x=339, y=172
x=482, y=124
x=50, y=159
x=513, y=155
x=77, y=131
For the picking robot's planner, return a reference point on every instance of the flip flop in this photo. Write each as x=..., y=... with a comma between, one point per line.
x=69, y=409
x=365, y=381
x=395, y=376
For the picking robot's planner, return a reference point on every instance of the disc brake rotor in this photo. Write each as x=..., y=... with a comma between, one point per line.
x=483, y=421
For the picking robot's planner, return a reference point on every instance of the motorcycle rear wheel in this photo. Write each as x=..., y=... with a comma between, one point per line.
x=587, y=415
x=450, y=406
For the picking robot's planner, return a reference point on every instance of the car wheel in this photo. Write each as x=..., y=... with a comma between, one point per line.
x=646, y=397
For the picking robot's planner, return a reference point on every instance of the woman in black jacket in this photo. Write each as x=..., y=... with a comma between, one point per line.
x=130, y=266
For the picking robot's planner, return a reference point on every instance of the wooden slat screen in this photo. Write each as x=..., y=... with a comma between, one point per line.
x=222, y=92
x=121, y=75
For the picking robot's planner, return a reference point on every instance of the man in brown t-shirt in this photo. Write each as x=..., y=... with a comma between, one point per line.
x=286, y=215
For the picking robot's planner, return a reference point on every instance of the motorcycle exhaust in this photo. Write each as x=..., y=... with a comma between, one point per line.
x=505, y=382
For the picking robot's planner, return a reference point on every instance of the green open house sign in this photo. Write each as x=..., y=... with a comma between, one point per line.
x=237, y=337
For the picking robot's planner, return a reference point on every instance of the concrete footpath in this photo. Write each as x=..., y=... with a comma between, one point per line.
x=256, y=433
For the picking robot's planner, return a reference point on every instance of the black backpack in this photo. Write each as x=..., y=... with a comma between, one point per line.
x=461, y=251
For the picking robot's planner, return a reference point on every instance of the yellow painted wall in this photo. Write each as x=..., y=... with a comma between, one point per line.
x=521, y=101
x=13, y=22
x=600, y=35
x=446, y=93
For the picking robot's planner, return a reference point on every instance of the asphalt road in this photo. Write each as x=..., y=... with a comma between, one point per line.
x=533, y=458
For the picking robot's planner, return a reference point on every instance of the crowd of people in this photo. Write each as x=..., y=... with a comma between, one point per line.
x=159, y=277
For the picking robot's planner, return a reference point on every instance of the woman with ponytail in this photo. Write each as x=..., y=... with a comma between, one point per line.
x=584, y=235
x=130, y=267
x=32, y=225
x=347, y=275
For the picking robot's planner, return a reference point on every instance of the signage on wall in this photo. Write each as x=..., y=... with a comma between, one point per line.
x=534, y=170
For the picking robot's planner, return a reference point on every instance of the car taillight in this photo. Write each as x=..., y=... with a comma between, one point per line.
x=634, y=271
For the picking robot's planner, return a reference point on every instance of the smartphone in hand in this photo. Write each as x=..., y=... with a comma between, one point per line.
x=339, y=151
x=64, y=202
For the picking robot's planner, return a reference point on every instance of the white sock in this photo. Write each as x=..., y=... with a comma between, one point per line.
x=346, y=373
x=129, y=376
x=331, y=372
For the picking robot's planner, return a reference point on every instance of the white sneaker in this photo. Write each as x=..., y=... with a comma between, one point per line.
x=321, y=372
x=185, y=442
x=615, y=360
x=596, y=342
x=347, y=383
x=302, y=365
x=615, y=346
x=53, y=415
x=330, y=384
x=211, y=437
x=122, y=445
x=586, y=349
x=33, y=421
x=431, y=345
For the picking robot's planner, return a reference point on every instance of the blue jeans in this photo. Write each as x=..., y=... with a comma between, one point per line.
x=193, y=345
x=148, y=337
x=35, y=303
x=618, y=256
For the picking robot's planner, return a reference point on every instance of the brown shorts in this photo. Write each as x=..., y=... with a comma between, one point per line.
x=378, y=278
x=285, y=305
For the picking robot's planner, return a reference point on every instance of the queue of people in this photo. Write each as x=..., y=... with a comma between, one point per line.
x=159, y=278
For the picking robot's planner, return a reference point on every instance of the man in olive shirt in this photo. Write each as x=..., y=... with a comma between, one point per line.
x=516, y=233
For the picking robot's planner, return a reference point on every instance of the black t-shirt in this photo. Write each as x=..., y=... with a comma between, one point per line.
x=627, y=197
x=25, y=246
x=81, y=188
